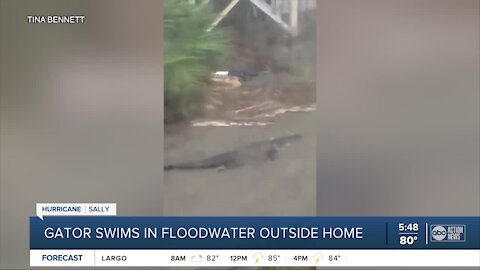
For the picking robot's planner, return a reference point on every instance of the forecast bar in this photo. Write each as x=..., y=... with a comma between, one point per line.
x=252, y=258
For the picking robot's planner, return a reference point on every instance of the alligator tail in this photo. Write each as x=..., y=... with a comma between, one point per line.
x=168, y=167
x=185, y=166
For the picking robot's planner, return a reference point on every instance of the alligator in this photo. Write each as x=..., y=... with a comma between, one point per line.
x=250, y=154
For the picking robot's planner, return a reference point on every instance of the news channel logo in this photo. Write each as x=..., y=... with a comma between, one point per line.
x=447, y=233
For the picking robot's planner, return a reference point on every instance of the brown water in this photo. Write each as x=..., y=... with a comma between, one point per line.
x=282, y=187
x=255, y=111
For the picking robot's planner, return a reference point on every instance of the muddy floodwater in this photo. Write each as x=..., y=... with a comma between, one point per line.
x=257, y=110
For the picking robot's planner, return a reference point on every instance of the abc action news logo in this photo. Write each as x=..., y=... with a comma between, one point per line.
x=447, y=233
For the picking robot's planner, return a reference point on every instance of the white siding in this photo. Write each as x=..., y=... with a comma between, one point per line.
x=282, y=6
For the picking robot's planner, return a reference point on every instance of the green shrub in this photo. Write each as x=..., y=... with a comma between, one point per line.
x=190, y=55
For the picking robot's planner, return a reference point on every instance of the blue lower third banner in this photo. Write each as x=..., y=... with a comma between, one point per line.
x=85, y=232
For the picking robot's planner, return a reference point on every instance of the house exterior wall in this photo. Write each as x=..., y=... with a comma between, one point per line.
x=282, y=6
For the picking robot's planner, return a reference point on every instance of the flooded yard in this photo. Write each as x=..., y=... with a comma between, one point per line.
x=255, y=111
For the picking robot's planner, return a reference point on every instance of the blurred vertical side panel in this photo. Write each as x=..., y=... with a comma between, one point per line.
x=398, y=103
x=81, y=111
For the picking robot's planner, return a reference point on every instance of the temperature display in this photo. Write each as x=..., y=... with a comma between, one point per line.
x=408, y=240
x=408, y=233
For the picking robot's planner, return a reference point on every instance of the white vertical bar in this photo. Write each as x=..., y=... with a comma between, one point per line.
x=426, y=234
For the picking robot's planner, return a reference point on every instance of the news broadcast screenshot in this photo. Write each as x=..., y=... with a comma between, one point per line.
x=240, y=134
